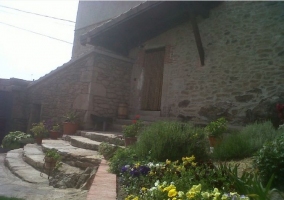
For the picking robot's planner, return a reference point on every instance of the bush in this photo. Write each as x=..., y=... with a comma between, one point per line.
x=121, y=158
x=270, y=160
x=15, y=140
x=246, y=142
x=172, y=140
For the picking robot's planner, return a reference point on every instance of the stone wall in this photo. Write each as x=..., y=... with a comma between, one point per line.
x=13, y=112
x=111, y=84
x=244, y=56
x=94, y=83
x=58, y=92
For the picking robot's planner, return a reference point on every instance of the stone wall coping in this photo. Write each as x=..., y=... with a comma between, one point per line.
x=79, y=58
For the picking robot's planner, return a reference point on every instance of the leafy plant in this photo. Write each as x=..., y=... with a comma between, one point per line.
x=270, y=160
x=172, y=140
x=71, y=117
x=134, y=129
x=39, y=129
x=15, y=140
x=246, y=142
x=52, y=155
x=107, y=150
x=217, y=128
x=122, y=157
x=56, y=128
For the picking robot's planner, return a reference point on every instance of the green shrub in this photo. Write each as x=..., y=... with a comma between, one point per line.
x=246, y=142
x=122, y=157
x=172, y=140
x=270, y=160
x=15, y=140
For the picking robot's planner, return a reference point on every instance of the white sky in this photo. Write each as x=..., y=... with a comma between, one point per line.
x=27, y=55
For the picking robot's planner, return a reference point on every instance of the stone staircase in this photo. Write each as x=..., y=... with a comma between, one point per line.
x=83, y=168
x=81, y=163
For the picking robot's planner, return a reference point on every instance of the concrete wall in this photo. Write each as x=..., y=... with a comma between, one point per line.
x=244, y=56
x=91, y=14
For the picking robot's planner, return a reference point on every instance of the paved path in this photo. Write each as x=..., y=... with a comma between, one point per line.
x=12, y=186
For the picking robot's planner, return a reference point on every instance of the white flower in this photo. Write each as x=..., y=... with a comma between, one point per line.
x=157, y=183
x=180, y=193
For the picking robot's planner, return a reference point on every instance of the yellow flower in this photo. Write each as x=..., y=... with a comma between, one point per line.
x=169, y=188
x=193, y=191
x=168, y=162
x=144, y=189
x=205, y=195
x=172, y=193
x=131, y=197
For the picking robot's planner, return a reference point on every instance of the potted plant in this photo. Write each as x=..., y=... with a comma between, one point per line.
x=16, y=139
x=51, y=159
x=215, y=131
x=131, y=132
x=54, y=133
x=107, y=150
x=70, y=124
x=39, y=131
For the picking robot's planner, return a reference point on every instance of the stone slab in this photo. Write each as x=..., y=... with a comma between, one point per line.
x=73, y=156
x=34, y=156
x=14, y=161
x=12, y=186
x=110, y=137
x=83, y=142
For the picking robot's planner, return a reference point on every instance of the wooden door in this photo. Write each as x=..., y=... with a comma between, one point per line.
x=153, y=80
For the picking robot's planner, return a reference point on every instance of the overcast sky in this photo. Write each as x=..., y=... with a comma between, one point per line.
x=26, y=55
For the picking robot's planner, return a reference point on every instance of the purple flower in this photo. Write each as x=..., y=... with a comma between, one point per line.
x=144, y=170
x=124, y=168
x=134, y=172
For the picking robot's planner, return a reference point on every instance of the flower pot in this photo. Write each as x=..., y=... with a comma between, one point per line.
x=70, y=128
x=49, y=163
x=214, y=141
x=54, y=135
x=39, y=140
x=130, y=141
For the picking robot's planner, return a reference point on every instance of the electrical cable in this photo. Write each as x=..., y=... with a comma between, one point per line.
x=37, y=14
x=56, y=22
x=35, y=32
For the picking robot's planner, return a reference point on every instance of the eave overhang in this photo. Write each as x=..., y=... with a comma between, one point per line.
x=144, y=22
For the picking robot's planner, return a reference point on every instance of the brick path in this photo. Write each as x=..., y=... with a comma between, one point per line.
x=104, y=184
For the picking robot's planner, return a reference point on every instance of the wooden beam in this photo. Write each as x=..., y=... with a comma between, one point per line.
x=197, y=38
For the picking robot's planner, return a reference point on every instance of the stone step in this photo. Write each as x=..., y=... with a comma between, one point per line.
x=14, y=161
x=65, y=176
x=115, y=138
x=116, y=128
x=148, y=113
x=34, y=156
x=74, y=156
x=82, y=142
x=123, y=121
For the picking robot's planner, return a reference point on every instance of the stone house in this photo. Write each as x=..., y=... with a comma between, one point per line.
x=192, y=60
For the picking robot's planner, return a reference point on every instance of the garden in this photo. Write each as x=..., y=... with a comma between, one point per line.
x=175, y=160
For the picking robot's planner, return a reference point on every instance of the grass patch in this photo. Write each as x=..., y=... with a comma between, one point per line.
x=249, y=140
